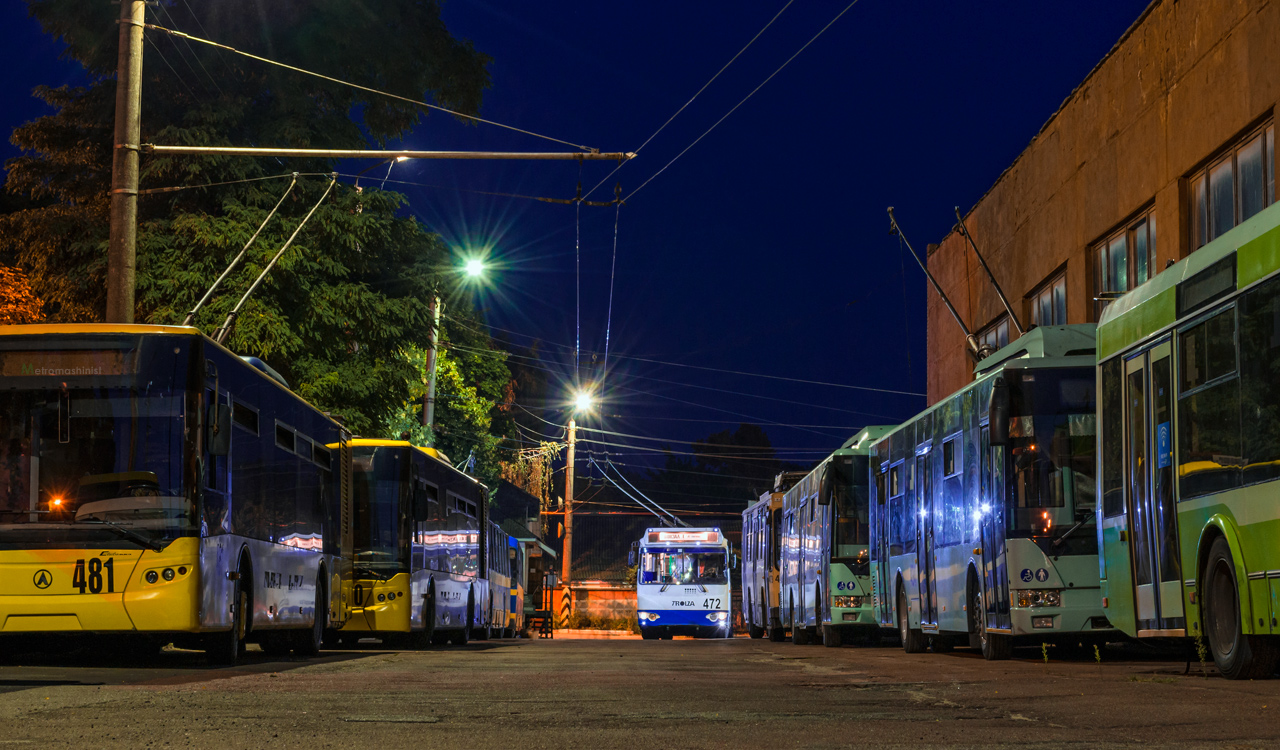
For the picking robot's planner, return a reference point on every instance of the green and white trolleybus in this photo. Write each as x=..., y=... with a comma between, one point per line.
x=1189, y=414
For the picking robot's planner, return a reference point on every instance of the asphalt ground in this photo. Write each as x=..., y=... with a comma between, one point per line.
x=628, y=693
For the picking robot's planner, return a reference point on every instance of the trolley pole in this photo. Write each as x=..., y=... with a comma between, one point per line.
x=122, y=246
x=429, y=400
x=566, y=562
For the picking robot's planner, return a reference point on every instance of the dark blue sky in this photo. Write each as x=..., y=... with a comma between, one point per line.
x=764, y=249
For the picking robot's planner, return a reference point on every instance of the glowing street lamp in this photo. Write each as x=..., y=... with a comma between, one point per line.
x=474, y=268
x=583, y=401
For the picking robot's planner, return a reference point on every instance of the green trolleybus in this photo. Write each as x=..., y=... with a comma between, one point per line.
x=1189, y=414
x=825, y=586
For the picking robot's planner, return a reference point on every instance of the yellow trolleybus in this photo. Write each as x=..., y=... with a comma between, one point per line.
x=155, y=485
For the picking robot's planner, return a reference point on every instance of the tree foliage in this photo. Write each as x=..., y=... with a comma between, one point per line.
x=354, y=290
x=17, y=304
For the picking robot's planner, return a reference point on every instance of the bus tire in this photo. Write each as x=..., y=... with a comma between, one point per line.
x=994, y=646
x=225, y=648
x=831, y=636
x=1238, y=656
x=755, y=631
x=777, y=635
x=913, y=641
x=307, y=642
x=429, y=615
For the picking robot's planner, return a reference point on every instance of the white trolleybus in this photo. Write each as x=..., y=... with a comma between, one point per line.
x=983, y=526
x=682, y=583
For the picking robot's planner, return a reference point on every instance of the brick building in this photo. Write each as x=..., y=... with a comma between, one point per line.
x=1165, y=145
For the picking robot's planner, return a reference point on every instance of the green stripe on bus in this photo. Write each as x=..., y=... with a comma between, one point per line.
x=1258, y=258
x=1138, y=323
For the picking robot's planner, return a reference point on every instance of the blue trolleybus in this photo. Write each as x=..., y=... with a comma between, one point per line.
x=682, y=583
x=761, y=537
x=983, y=529
x=156, y=488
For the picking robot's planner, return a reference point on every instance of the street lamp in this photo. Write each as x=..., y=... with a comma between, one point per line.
x=474, y=268
x=583, y=401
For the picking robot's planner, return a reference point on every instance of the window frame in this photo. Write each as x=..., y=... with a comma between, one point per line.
x=1048, y=286
x=1144, y=221
x=1198, y=179
x=1002, y=321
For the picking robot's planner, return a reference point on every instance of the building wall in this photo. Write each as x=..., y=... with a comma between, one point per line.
x=1188, y=78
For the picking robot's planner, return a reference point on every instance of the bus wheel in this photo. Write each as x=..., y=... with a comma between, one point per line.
x=224, y=649
x=307, y=642
x=756, y=631
x=648, y=634
x=995, y=646
x=831, y=636
x=429, y=616
x=460, y=637
x=913, y=641
x=1238, y=656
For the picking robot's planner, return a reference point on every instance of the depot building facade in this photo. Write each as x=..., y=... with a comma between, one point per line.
x=1168, y=143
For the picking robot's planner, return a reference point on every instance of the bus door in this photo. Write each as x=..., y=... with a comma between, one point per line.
x=217, y=421
x=1153, y=541
x=925, y=549
x=991, y=531
x=880, y=553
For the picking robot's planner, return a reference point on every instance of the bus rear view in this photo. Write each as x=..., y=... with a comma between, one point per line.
x=682, y=584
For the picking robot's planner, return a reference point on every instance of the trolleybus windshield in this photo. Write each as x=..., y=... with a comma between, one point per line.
x=1052, y=456
x=95, y=445
x=851, y=499
x=379, y=541
x=678, y=565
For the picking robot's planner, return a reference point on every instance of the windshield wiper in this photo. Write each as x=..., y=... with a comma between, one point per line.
x=1061, y=540
x=129, y=534
x=370, y=572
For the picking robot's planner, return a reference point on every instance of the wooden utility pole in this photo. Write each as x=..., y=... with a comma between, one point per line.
x=429, y=400
x=122, y=248
x=566, y=569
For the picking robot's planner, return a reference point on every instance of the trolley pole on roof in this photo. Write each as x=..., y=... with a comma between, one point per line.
x=968, y=335
x=999, y=292
x=122, y=245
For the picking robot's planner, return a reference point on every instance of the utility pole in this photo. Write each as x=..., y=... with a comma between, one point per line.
x=565, y=563
x=429, y=400
x=122, y=248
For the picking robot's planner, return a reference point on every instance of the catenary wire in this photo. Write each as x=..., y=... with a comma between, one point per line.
x=695, y=96
x=744, y=99
x=331, y=79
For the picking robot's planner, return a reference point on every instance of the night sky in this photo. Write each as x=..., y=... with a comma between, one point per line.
x=764, y=249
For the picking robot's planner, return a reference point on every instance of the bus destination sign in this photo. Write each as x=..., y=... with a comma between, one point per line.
x=77, y=363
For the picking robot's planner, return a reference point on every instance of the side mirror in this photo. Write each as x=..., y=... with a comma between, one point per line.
x=824, y=486
x=999, y=413
x=511, y=553
x=218, y=429
x=632, y=555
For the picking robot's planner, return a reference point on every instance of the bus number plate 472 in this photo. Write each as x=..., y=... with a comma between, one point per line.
x=94, y=575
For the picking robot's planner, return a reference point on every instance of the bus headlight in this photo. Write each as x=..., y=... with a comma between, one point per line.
x=717, y=616
x=650, y=616
x=849, y=602
x=1039, y=598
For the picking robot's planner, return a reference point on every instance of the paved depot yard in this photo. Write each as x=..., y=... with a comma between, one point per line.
x=573, y=693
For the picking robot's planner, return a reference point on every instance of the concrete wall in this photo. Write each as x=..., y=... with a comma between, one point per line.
x=1187, y=79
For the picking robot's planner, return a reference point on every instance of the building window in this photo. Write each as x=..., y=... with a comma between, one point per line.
x=994, y=336
x=1123, y=261
x=1236, y=186
x=1049, y=302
